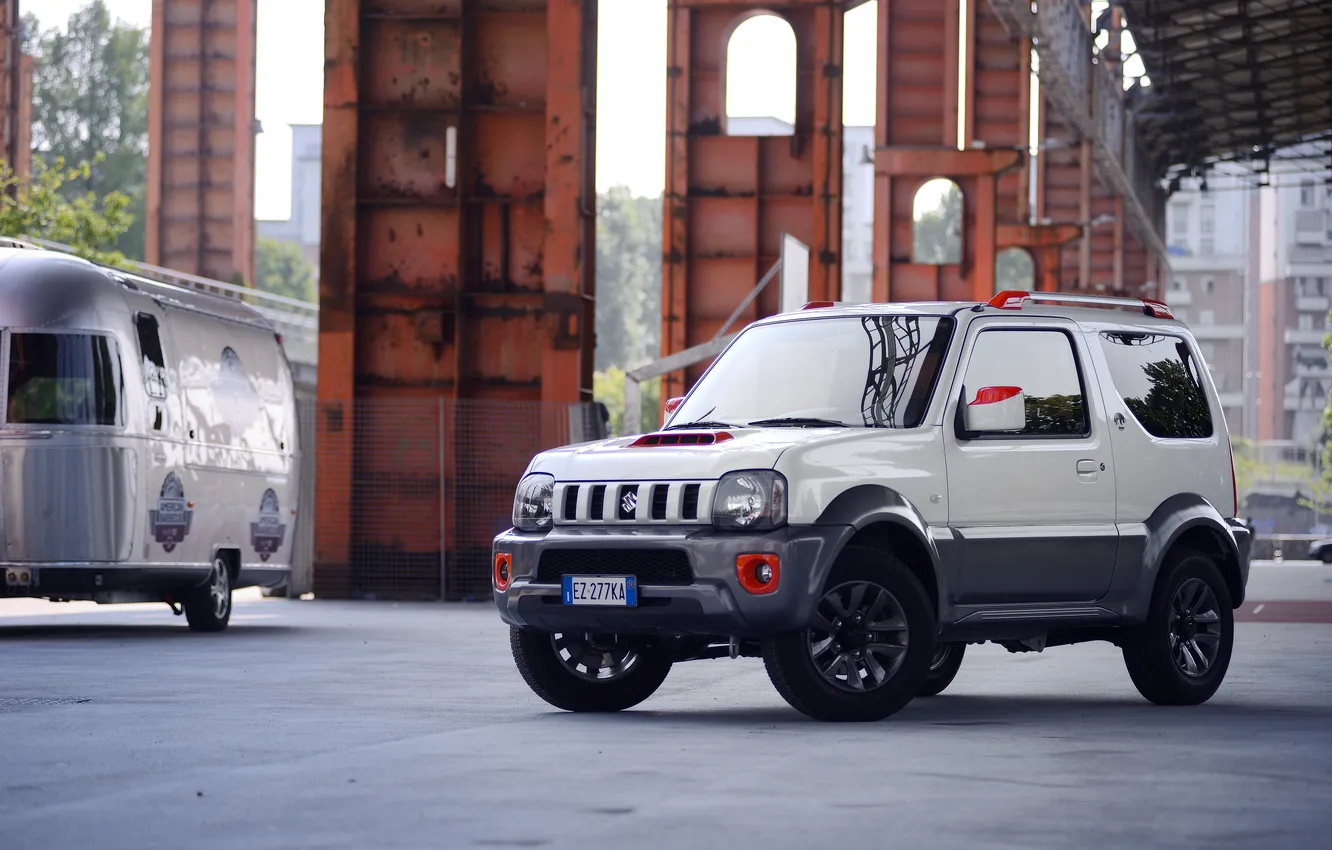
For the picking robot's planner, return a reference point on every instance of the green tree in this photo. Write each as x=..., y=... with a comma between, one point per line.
x=45, y=208
x=280, y=268
x=90, y=104
x=608, y=388
x=628, y=279
x=937, y=233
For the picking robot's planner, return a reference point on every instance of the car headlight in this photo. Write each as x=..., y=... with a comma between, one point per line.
x=750, y=500
x=532, y=503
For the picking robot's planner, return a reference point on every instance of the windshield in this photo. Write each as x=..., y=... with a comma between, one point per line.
x=862, y=372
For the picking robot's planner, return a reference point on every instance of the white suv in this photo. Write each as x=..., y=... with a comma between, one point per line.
x=856, y=492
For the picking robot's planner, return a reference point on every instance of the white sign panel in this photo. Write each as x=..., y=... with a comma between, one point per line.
x=793, y=280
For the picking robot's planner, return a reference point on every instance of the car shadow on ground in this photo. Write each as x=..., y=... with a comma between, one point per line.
x=85, y=631
x=966, y=710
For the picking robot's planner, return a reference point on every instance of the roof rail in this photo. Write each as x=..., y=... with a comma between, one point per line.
x=1013, y=299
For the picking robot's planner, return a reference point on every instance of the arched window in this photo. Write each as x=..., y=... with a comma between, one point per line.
x=936, y=233
x=761, y=77
x=1014, y=269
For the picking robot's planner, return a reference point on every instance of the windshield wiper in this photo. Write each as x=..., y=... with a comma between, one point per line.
x=702, y=423
x=801, y=422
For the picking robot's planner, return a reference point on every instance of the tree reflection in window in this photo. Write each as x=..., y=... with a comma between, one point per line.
x=1063, y=415
x=899, y=355
x=1042, y=363
x=1160, y=382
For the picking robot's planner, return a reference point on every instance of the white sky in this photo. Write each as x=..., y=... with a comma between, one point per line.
x=631, y=82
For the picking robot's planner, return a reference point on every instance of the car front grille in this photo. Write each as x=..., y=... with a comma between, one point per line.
x=633, y=502
x=650, y=566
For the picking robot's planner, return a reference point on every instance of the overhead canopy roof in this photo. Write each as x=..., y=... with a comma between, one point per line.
x=1232, y=80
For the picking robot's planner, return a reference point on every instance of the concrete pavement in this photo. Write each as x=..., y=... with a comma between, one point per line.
x=374, y=725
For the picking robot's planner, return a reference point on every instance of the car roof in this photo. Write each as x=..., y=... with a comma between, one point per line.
x=1107, y=316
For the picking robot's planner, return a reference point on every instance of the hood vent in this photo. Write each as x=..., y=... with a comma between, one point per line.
x=681, y=438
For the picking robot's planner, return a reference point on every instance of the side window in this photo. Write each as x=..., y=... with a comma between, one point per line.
x=1039, y=362
x=154, y=362
x=63, y=379
x=1160, y=382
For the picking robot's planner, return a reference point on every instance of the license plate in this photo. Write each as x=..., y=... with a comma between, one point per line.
x=617, y=591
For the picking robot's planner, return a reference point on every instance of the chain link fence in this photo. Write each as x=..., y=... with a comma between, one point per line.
x=408, y=506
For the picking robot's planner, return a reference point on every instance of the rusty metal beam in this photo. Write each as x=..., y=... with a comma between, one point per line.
x=923, y=60
x=930, y=162
x=22, y=162
x=1036, y=235
x=728, y=199
x=457, y=264
x=12, y=125
x=1071, y=81
x=201, y=128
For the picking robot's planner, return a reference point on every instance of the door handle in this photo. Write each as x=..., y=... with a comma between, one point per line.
x=1087, y=467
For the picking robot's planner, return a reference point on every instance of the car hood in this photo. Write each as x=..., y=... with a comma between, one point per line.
x=618, y=459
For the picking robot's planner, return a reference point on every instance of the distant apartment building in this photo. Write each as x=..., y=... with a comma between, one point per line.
x=1210, y=238
x=302, y=228
x=1295, y=268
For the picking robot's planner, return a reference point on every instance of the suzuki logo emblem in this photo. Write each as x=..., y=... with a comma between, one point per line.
x=629, y=503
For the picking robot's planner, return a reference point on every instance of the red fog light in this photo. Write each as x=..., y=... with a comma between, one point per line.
x=503, y=570
x=758, y=573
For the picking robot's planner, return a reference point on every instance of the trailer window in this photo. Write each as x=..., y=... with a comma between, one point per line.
x=154, y=362
x=63, y=379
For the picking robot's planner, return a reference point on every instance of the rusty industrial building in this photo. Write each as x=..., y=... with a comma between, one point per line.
x=457, y=290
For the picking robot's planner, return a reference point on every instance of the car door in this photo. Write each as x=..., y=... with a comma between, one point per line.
x=1035, y=509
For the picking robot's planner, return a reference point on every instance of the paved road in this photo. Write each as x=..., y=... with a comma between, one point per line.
x=346, y=725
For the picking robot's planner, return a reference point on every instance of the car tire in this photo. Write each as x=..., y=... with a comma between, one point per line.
x=1326, y=555
x=1180, y=655
x=822, y=670
x=208, y=606
x=540, y=657
x=945, y=663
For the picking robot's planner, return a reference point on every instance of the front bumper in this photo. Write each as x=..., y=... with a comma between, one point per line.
x=713, y=605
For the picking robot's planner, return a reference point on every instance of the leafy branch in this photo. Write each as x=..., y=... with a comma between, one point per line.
x=41, y=208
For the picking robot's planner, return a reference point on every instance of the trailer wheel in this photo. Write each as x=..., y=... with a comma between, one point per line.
x=208, y=606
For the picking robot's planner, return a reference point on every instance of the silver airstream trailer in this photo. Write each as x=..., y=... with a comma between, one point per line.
x=147, y=441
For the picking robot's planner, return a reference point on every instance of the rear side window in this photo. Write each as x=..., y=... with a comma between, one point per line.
x=1160, y=382
x=153, y=361
x=63, y=379
x=1042, y=364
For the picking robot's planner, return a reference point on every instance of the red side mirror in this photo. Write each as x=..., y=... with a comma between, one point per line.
x=673, y=404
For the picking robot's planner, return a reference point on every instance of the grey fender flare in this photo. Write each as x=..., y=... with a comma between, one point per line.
x=1171, y=520
x=864, y=505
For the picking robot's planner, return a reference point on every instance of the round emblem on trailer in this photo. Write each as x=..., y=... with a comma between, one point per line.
x=267, y=534
x=170, y=522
